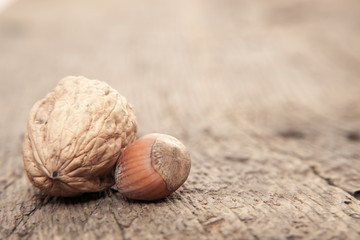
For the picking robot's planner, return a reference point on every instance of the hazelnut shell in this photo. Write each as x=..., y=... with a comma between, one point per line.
x=152, y=167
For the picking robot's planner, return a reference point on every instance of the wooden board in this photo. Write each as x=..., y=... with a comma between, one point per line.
x=265, y=94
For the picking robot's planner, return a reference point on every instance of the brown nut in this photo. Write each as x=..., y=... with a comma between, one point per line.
x=75, y=135
x=152, y=167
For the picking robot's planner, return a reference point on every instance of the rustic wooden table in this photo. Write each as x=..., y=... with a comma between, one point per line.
x=265, y=94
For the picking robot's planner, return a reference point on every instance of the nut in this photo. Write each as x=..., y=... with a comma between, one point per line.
x=152, y=167
x=75, y=135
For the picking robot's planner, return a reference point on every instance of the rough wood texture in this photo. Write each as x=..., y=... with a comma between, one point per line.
x=264, y=93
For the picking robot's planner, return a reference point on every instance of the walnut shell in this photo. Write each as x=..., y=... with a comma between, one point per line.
x=75, y=135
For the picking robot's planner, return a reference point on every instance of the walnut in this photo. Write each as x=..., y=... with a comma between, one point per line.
x=75, y=135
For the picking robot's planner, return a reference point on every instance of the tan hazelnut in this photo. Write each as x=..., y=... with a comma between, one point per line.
x=75, y=135
x=152, y=167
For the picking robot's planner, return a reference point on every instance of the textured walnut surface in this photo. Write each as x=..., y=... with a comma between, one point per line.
x=264, y=94
x=75, y=135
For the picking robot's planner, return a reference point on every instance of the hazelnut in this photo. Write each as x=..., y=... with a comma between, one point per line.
x=152, y=167
x=75, y=135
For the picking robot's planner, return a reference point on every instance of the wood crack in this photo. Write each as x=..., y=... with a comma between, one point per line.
x=26, y=216
x=329, y=181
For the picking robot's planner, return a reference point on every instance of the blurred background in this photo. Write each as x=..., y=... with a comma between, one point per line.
x=249, y=62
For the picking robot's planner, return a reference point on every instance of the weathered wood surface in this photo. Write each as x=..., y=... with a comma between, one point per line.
x=264, y=93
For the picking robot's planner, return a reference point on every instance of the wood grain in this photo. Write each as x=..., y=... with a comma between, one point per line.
x=265, y=94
